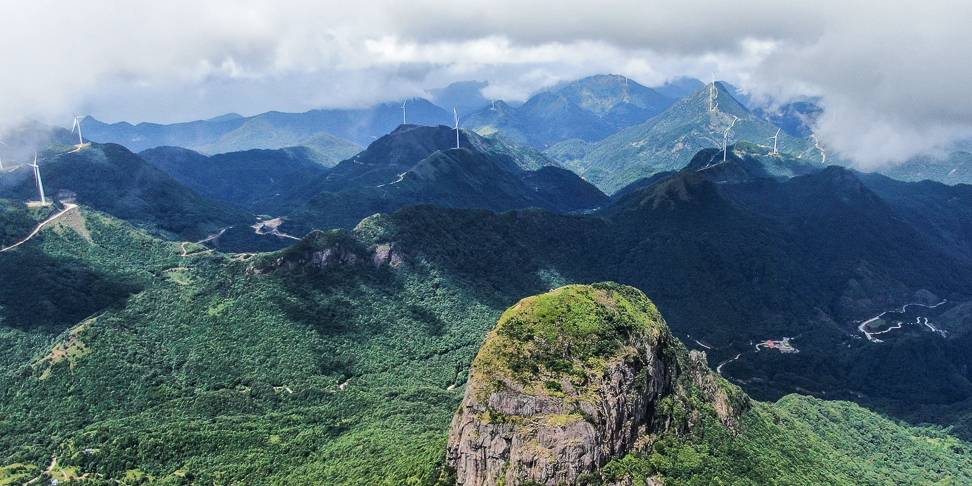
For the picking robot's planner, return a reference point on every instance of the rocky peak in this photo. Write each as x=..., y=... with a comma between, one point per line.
x=325, y=250
x=569, y=380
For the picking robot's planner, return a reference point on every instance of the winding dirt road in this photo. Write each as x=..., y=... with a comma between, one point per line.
x=67, y=207
x=863, y=327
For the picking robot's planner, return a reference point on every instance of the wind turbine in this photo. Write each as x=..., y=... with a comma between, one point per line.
x=37, y=178
x=1, y=157
x=774, y=139
x=713, y=95
x=403, y=110
x=455, y=116
x=726, y=135
x=77, y=126
x=492, y=105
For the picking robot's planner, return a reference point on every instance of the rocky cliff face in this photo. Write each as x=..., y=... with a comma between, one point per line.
x=569, y=380
x=321, y=250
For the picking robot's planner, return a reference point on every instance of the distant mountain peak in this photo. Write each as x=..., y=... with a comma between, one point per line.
x=602, y=94
x=722, y=100
x=225, y=117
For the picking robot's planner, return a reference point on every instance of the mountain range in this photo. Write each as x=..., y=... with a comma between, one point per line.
x=459, y=305
x=953, y=168
x=112, y=179
x=334, y=134
x=588, y=109
x=344, y=357
x=669, y=141
x=411, y=165
x=579, y=123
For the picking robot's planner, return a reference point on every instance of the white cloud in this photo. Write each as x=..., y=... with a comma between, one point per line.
x=892, y=77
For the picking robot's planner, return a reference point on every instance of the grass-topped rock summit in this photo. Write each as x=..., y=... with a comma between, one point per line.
x=573, y=378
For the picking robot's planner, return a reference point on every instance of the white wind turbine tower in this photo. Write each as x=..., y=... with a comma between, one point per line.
x=774, y=138
x=403, y=110
x=77, y=126
x=1, y=157
x=455, y=116
x=713, y=95
x=37, y=179
x=726, y=135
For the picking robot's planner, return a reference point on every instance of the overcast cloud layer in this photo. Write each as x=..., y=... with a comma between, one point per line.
x=894, y=80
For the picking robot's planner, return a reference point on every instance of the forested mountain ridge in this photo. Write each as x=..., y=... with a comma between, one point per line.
x=322, y=130
x=668, y=141
x=587, y=109
x=343, y=358
x=114, y=180
x=420, y=165
x=250, y=180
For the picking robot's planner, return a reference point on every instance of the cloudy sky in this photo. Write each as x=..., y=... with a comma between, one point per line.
x=894, y=80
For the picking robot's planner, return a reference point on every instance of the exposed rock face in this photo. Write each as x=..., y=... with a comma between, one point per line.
x=566, y=382
x=322, y=251
x=516, y=436
x=386, y=254
x=573, y=378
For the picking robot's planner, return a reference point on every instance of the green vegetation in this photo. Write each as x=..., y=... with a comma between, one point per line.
x=317, y=364
x=803, y=440
x=250, y=180
x=16, y=474
x=670, y=140
x=15, y=221
x=235, y=376
x=419, y=165
x=113, y=180
x=568, y=329
x=705, y=431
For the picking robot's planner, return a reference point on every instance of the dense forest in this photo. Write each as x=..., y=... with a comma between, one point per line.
x=339, y=360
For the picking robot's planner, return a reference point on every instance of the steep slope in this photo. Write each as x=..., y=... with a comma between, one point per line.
x=955, y=168
x=940, y=212
x=113, y=180
x=587, y=109
x=250, y=180
x=272, y=130
x=670, y=140
x=569, y=380
x=415, y=165
x=96, y=263
x=585, y=384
